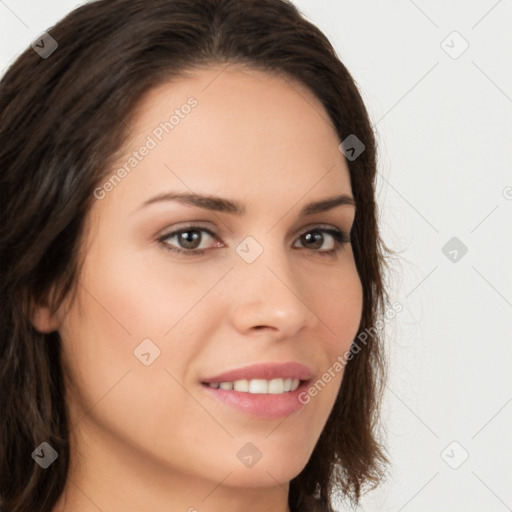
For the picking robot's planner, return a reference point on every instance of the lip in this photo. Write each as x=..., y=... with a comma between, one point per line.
x=267, y=371
x=267, y=406
x=270, y=406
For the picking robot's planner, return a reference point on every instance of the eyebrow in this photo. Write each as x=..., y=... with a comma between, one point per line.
x=223, y=205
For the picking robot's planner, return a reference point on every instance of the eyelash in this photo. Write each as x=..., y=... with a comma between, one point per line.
x=340, y=238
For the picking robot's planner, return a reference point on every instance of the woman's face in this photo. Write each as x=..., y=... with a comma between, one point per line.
x=151, y=326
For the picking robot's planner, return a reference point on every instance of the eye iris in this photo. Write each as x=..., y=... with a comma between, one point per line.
x=315, y=237
x=189, y=237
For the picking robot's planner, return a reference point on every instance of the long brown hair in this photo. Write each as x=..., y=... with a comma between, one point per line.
x=64, y=117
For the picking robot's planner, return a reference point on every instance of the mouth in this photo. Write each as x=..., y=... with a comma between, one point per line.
x=263, y=390
x=258, y=398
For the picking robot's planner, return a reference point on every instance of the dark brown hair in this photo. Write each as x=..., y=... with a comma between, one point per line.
x=63, y=120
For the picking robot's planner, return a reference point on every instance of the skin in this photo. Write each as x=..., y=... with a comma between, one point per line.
x=148, y=437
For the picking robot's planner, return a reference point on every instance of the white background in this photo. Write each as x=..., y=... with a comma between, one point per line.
x=445, y=152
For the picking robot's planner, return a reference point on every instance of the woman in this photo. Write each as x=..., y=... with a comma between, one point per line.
x=190, y=251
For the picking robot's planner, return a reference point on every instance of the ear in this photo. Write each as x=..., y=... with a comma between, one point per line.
x=41, y=315
x=43, y=319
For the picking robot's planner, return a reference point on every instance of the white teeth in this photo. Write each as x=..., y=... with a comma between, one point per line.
x=241, y=385
x=259, y=386
x=275, y=386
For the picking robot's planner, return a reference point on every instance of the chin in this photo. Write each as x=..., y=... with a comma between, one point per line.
x=275, y=468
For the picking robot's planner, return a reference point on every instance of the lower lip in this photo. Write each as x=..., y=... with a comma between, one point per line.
x=259, y=404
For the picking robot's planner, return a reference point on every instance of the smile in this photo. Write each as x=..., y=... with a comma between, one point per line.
x=258, y=386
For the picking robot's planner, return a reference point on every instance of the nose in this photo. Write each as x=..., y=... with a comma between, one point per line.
x=269, y=297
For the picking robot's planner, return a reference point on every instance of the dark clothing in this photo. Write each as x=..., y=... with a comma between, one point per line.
x=311, y=504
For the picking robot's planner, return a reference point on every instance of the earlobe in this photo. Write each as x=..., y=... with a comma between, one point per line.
x=44, y=320
x=41, y=315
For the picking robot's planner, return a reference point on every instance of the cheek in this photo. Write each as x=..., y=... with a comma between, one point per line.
x=111, y=388
x=340, y=306
x=129, y=301
x=143, y=295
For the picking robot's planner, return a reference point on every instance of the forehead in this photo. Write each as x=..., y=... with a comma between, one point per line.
x=233, y=130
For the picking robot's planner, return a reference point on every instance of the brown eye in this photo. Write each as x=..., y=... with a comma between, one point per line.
x=314, y=239
x=187, y=240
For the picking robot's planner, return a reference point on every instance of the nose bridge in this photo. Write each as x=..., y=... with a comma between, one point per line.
x=270, y=294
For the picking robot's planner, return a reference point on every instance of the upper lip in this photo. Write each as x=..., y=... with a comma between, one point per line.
x=265, y=371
